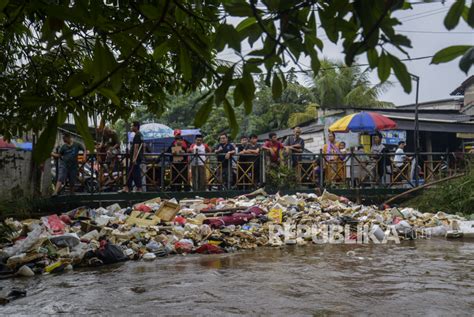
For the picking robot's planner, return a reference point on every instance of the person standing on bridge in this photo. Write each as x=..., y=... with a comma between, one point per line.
x=134, y=174
x=68, y=166
x=295, y=145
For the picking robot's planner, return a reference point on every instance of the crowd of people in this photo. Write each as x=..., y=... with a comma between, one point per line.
x=237, y=165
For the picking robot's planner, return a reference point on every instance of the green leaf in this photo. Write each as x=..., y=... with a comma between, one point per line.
x=467, y=60
x=383, y=68
x=449, y=53
x=238, y=95
x=454, y=13
x=372, y=57
x=227, y=34
x=248, y=91
x=221, y=91
x=108, y=93
x=34, y=100
x=401, y=72
x=62, y=115
x=315, y=64
x=151, y=12
x=103, y=61
x=238, y=8
x=246, y=23
x=185, y=63
x=203, y=112
x=276, y=87
x=3, y=4
x=46, y=140
x=80, y=119
x=160, y=50
x=77, y=91
x=470, y=16
x=230, y=114
x=116, y=81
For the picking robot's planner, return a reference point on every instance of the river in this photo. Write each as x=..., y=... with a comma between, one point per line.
x=425, y=277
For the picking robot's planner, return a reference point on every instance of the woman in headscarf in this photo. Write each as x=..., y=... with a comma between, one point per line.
x=334, y=166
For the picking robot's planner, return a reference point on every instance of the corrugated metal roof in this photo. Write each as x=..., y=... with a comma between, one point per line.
x=460, y=90
x=449, y=102
x=312, y=128
x=436, y=126
x=423, y=116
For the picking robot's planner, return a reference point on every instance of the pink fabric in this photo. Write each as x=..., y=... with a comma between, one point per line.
x=237, y=218
x=208, y=248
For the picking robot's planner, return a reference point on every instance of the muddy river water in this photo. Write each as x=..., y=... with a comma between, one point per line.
x=426, y=277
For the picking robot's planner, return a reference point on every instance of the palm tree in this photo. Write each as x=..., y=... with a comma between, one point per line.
x=337, y=85
x=297, y=118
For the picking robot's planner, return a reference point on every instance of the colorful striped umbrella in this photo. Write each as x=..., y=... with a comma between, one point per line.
x=363, y=122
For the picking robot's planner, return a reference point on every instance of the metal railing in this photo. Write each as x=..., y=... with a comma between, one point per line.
x=207, y=172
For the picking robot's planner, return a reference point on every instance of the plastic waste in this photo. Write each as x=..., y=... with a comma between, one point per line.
x=110, y=253
x=92, y=235
x=149, y=256
x=25, y=271
x=26, y=244
x=65, y=240
x=153, y=246
x=56, y=267
x=54, y=224
x=377, y=232
x=184, y=246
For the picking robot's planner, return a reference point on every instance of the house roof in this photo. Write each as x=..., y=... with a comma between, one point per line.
x=460, y=90
x=311, y=128
x=428, y=116
x=441, y=104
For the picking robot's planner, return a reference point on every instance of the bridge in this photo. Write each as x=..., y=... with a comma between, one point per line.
x=355, y=175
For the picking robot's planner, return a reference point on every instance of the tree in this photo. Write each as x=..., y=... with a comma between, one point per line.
x=90, y=58
x=337, y=85
x=310, y=113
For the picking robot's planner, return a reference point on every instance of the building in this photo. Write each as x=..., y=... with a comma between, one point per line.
x=311, y=132
x=444, y=125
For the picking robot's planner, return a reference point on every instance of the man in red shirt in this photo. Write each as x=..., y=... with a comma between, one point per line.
x=177, y=135
x=274, y=147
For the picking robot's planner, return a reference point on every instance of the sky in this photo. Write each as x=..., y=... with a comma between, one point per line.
x=423, y=25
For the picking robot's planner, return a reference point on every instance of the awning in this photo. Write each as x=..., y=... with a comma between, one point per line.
x=435, y=126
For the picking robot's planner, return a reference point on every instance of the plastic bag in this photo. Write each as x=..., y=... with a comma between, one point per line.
x=54, y=224
x=66, y=240
x=25, y=244
x=184, y=246
x=111, y=253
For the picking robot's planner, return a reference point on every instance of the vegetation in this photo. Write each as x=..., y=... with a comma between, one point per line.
x=455, y=196
x=281, y=177
x=297, y=104
x=100, y=58
x=336, y=86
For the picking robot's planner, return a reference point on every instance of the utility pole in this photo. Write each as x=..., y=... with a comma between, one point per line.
x=416, y=137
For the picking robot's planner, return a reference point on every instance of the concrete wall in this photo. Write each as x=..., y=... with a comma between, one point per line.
x=313, y=141
x=18, y=178
x=469, y=95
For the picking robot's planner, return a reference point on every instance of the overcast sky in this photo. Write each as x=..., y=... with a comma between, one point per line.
x=421, y=24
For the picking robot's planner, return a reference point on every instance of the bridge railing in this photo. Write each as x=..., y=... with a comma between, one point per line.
x=210, y=171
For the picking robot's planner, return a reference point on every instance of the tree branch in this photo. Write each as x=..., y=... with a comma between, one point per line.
x=127, y=59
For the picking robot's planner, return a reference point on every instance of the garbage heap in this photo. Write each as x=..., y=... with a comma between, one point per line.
x=157, y=228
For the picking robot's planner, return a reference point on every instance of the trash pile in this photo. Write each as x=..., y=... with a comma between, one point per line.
x=158, y=228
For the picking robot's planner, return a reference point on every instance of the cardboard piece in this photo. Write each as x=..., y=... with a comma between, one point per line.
x=143, y=219
x=168, y=211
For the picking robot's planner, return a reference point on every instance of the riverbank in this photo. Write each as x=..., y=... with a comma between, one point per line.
x=455, y=196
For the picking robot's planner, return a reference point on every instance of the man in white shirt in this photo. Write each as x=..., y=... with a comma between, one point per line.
x=400, y=156
x=198, y=161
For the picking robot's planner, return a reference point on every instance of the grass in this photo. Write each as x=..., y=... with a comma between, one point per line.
x=455, y=196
